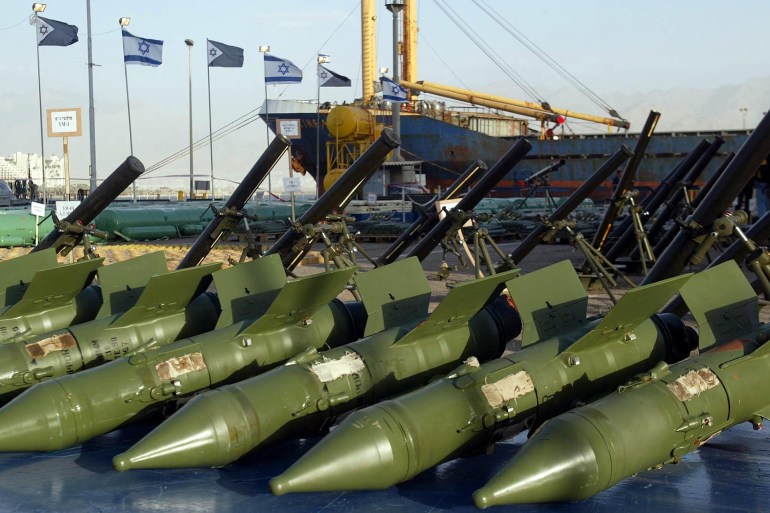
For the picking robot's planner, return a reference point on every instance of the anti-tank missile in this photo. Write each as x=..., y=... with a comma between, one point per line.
x=224, y=223
x=656, y=418
x=170, y=306
x=309, y=391
x=467, y=411
x=336, y=197
x=274, y=321
x=430, y=218
x=64, y=240
x=742, y=167
x=434, y=237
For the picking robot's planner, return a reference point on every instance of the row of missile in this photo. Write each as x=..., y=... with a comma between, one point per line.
x=267, y=358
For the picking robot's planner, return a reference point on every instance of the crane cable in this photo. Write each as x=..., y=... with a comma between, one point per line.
x=489, y=51
x=542, y=55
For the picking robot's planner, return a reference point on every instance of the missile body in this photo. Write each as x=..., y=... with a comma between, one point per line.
x=469, y=410
x=308, y=392
x=170, y=307
x=653, y=420
x=296, y=315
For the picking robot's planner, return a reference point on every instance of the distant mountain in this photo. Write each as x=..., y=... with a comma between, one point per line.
x=682, y=109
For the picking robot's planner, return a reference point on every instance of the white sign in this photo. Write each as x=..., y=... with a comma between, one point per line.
x=36, y=209
x=292, y=184
x=289, y=128
x=64, y=122
x=65, y=208
x=371, y=198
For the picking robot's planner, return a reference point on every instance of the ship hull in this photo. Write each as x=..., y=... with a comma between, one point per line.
x=446, y=150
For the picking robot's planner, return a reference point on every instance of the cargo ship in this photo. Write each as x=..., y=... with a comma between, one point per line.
x=440, y=141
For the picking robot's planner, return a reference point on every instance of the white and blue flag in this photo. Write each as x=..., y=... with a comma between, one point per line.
x=281, y=71
x=328, y=78
x=224, y=56
x=55, y=33
x=392, y=91
x=140, y=50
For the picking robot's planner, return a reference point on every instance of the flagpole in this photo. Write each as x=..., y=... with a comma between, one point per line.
x=318, y=130
x=40, y=105
x=264, y=49
x=91, y=110
x=211, y=142
x=123, y=23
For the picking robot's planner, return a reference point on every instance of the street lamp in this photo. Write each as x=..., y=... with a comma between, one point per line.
x=265, y=49
x=743, y=110
x=189, y=43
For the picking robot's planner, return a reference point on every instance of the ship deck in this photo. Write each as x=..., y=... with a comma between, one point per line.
x=729, y=474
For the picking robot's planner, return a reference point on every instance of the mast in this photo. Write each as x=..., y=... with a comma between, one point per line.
x=368, y=49
x=409, y=48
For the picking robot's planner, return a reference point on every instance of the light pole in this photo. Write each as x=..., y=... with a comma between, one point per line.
x=36, y=9
x=189, y=43
x=743, y=110
x=395, y=6
x=265, y=49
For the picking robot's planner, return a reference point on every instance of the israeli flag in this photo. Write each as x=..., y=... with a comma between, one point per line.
x=281, y=71
x=392, y=91
x=224, y=56
x=328, y=78
x=55, y=33
x=139, y=50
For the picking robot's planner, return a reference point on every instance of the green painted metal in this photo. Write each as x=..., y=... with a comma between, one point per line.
x=303, y=396
x=55, y=298
x=469, y=410
x=16, y=273
x=71, y=409
x=17, y=227
x=656, y=418
x=122, y=283
x=171, y=305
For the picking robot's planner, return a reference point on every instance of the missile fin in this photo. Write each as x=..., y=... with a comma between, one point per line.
x=299, y=299
x=246, y=290
x=723, y=303
x=635, y=307
x=550, y=301
x=460, y=305
x=167, y=293
x=16, y=273
x=54, y=287
x=394, y=295
x=122, y=282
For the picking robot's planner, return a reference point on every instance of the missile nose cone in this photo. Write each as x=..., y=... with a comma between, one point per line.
x=201, y=434
x=367, y=451
x=563, y=461
x=37, y=420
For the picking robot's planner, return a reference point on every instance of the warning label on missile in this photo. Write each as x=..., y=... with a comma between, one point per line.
x=693, y=384
x=329, y=370
x=51, y=344
x=510, y=387
x=176, y=367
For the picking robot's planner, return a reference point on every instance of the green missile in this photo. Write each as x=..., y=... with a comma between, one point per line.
x=170, y=306
x=470, y=409
x=58, y=296
x=308, y=392
x=265, y=320
x=657, y=417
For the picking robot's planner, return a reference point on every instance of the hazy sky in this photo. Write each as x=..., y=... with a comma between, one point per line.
x=610, y=45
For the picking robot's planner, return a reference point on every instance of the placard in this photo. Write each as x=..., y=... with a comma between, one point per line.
x=65, y=208
x=37, y=209
x=289, y=128
x=64, y=122
x=292, y=184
